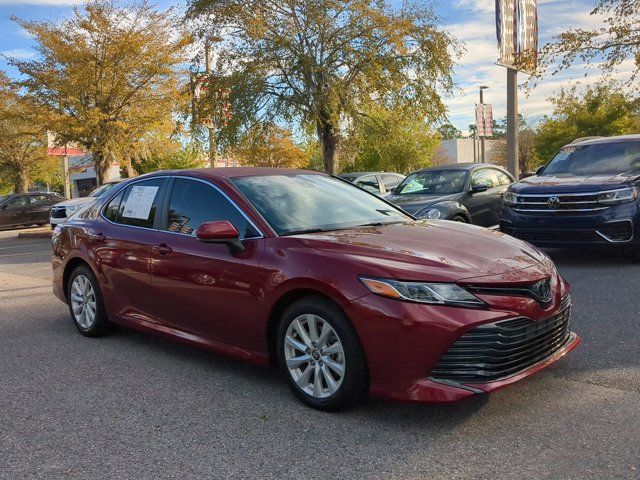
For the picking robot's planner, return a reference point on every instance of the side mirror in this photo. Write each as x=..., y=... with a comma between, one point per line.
x=479, y=188
x=221, y=231
x=540, y=170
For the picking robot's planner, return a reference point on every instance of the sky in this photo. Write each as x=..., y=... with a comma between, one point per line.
x=471, y=21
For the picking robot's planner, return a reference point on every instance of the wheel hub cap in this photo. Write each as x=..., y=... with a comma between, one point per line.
x=314, y=356
x=83, y=302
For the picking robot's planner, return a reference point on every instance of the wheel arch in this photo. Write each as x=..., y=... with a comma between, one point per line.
x=70, y=266
x=282, y=303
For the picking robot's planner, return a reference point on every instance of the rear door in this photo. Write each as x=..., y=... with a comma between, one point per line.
x=203, y=288
x=39, y=208
x=14, y=211
x=121, y=243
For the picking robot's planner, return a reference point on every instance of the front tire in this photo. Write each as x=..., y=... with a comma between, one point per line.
x=320, y=354
x=85, y=303
x=459, y=218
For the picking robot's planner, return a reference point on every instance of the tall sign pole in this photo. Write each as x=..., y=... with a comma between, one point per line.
x=517, y=32
x=212, y=136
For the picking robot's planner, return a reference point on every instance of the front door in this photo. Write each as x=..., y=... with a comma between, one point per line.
x=14, y=211
x=484, y=207
x=203, y=288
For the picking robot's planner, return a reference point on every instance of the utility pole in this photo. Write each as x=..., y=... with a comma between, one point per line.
x=512, y=123
x=65, y=174
x=211, y=128
x=482, y=150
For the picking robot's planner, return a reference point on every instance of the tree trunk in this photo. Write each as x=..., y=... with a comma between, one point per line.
x=22, y=183
x=100, y=167
x=328, y=137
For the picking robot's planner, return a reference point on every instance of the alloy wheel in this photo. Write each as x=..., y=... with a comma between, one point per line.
x=314, y=356
x=83, y=302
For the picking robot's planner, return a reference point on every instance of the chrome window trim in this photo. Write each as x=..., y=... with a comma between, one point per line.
x=115, y=194
x=559, y=210
x=102, y=209
x=235, y=205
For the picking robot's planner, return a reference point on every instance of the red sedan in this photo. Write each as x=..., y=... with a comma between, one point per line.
x=346, y=293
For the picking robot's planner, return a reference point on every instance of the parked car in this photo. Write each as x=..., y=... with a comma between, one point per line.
x=462, y=192
x=345, y=292
x=587, y=194
x=24, y=209
x=60, y=211
x=380, y=183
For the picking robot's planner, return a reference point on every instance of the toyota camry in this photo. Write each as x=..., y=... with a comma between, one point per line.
x=345, y=293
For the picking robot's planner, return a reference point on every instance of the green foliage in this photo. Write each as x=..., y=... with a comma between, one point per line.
x=600, y=110
x=449, y=132
x=106, y=76
x=318, y=62
x=267, y=145
x=23, y=141
x=392, y=140
x=178, y=158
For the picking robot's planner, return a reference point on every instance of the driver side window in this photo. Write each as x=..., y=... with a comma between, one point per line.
x=486, y=177
x=194, y=202
x=369, y=183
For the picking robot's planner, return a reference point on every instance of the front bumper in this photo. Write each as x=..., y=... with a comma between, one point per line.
x=404, y=342
x=617, y=225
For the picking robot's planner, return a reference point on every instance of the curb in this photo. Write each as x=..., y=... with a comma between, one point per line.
x=36, y=234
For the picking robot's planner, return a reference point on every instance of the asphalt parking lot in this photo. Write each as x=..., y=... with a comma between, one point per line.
x=135, y=406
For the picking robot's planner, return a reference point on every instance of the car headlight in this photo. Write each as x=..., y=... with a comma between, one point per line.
x=432, y=293
x=510, y=198
x=618, y=196
x=71, y=208
x=430, y=213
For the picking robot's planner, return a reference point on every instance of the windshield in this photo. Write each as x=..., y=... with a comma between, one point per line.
x=306, y=202
x=598, y=159
x=433, y=182
x=102, y=189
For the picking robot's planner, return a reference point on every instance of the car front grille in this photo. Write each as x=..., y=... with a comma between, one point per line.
x=498, y=350
x=558, y=203
x=612, y=232
x=58, y=212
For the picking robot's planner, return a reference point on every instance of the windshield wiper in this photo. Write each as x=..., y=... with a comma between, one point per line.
x=302, y=231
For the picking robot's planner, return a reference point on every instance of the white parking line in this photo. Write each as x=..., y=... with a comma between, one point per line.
x=40, y=252
x=27, y=245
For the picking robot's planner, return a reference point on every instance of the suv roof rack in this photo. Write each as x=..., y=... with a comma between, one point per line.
x=584, y=139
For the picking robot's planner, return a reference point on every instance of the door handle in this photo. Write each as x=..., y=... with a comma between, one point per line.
x=97, y=237
x=162, y=249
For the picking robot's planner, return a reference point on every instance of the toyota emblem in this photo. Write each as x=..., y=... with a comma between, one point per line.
x=542, y=290
x=553, y=202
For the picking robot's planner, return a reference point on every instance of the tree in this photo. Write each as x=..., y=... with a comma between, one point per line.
x=600, y=110
x=106, y=76
x=23, y=141
x=270, y=146
x=449, y=132
x=608, y=46
x=319, y=61
x=392, y=140
x=172, y=156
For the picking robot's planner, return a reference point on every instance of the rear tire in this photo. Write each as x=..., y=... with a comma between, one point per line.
x=320, y=354
x=85, y=303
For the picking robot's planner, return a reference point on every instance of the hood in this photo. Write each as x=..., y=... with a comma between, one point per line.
x=432, y=250
x=76, y=201
x=414, y=203
x=570, y=184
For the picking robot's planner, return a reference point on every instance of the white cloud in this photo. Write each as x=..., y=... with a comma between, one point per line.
x=21, y=53
x=478, y=63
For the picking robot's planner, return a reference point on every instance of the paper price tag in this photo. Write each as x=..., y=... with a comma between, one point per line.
x=139, y=203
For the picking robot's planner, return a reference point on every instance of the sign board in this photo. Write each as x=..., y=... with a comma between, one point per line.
x=484, y=120
x=517, y=32
x=139, y=203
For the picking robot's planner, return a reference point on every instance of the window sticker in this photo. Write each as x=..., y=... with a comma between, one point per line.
x=140, y=202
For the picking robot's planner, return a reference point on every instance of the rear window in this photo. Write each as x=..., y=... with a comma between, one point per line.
x=596, y=159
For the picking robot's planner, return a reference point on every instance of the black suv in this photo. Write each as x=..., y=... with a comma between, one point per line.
x=587, y=194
